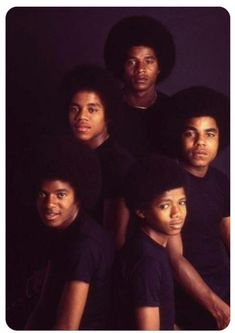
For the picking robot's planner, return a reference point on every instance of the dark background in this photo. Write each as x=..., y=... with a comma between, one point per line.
x=41, y=45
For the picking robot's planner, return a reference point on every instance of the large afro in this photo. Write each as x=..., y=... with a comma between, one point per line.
x=199, y=101
x=149, y=178
x=139, y=31
x=64, y=158
x=93, y=78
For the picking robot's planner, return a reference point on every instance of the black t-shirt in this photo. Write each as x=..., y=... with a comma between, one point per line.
x=83, y=252
x=142, y=277
x=149, y=130
x=208, y=201
x=115, y=162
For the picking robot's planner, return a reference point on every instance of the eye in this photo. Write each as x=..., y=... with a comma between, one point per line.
x=74, y=109
x=92, y=110
x=130, y=62
x=149, y=61
x=182, y=202
x=61, y=195
x=41, y=194
x=211, y=134
x=164, y=206
x=189, y=134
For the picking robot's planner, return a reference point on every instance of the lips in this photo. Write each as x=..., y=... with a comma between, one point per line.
x=82, y=127
x=140, y=79
x=200, y=153
x=50, y=216
x=176, y=225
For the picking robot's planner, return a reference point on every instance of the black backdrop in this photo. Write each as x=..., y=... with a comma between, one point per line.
x=42, y=43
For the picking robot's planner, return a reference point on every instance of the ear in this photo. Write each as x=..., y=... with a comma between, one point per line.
x=140, y=213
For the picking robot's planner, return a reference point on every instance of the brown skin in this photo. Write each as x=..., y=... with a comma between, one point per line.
x=200, y=142
x=163, y=218
x=141, y=70
x=58, y=208
x=56, y=203
x=87, y=118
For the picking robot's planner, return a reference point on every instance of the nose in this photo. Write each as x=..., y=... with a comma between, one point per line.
x=200, y=139
x=50, y=201
x=140, y=66
x=82, y=114
x=175, y=211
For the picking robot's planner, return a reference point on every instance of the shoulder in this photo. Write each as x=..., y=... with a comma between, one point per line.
x=115, y=160
x=217, y=174
x=142, y=250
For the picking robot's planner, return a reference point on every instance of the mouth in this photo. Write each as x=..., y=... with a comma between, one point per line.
x=140, y=79
x=50, y=216
x=176, y=226
x=82, y=128
x=199, y=153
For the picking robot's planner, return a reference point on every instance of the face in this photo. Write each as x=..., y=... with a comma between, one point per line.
x=167, y=212
x=200, y=142
x=56, y=204
x=87, y=118
x=141, y=69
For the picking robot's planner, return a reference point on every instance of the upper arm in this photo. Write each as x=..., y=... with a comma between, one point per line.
x=175, y=247
x=147, y=318
x=225, y=231
x=116, y=219
x=71, y=305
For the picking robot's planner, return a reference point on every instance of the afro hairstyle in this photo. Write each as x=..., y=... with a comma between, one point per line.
x=149, y=178
x=95, y=79
x=199, y=101
x=65, y=159
x=136, y=31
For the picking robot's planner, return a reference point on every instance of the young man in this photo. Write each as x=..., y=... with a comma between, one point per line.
x=203, y=303
x=75, y=293
x=91, y=99
x=143, y=286
x=140, y=52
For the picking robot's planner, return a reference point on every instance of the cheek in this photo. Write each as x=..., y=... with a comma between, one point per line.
x=70, y=118
x=185, y=145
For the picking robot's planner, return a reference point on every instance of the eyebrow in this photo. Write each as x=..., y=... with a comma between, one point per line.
x=90, y=104
x=59, y=190
x=212, y=129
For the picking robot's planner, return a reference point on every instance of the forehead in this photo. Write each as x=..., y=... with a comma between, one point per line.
x=202, y=122
x=173, y=194
x=52, y=185
x=141, y=50
x=87, y=97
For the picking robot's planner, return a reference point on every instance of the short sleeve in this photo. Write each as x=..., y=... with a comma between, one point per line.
x=82, y=263
x=145, y=283
x=226, y=186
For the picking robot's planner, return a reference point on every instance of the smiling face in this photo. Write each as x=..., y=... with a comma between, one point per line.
x=141, y=69
x=57, y=204
x=166, y=214
x=87, y=118
x=200, y=143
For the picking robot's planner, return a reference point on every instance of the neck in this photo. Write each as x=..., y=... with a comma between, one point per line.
x=98, y=140
x=196, y=171
x=156, y=236
x=141, y=99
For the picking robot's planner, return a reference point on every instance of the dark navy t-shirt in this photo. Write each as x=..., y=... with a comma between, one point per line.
x=83, y=252
x=115, y=162
x=146, y=130
x=208, y=201
x=142, y=277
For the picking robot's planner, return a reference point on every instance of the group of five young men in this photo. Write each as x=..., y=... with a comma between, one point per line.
x=163, y=215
